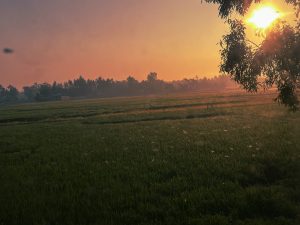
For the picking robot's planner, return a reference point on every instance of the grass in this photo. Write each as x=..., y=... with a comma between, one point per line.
x=187, y=159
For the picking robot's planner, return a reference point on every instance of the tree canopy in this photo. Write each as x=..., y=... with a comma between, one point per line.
x=100, y=87
x=274, y=62
x=227, y=7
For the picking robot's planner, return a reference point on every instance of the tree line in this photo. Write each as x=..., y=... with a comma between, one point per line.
x=100, y=87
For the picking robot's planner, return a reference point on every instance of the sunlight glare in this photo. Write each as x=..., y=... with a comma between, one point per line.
x=264, y=17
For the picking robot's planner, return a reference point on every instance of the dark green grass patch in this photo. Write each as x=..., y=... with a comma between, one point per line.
x=230, y=165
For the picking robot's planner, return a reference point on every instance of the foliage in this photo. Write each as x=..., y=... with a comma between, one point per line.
x=227, y=7
x=276, y=61
x=82, y=88
x=9, y=94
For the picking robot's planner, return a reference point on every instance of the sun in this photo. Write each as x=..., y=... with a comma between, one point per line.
x=264, y=17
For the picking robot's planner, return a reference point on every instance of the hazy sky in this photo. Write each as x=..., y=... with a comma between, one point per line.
x=61, y=39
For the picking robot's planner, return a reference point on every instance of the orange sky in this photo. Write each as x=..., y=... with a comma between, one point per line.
x=61, y=39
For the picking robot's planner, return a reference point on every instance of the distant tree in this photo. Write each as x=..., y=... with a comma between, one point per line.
x=133, y=86
x=152, y=77
x=101, y=87
x=276, y=61
x=30, y=92
x=12, y=94
x=80, y=83
x=132, y=82
x=44, y=92
x=80, y=86
x=2, y=94
x=57, y=89
x=2, y=91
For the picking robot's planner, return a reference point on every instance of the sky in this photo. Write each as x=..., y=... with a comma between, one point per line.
x=62, y=39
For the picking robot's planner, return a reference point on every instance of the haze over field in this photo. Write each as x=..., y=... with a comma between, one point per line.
x=60, y=39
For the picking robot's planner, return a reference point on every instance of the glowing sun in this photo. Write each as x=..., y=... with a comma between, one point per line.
x=264, y=17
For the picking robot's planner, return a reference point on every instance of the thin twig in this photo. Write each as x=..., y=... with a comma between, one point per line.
x=253, y=43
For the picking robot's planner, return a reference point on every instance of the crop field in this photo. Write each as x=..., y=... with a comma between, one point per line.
x=202, y=158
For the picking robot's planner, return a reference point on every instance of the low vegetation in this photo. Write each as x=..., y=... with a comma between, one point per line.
x=209, y=158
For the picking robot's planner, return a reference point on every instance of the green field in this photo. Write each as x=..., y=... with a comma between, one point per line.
x=210, y=158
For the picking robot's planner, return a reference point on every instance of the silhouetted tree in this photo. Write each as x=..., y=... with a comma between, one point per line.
x=133, y=86
x=132, y=82
x=44, y=92
x=100, y=87
x=30, y=92
x=152, y=77
x=9, y=94
x=12, y=94
x=57, y=90
x=276, y=61
x=2, y=91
